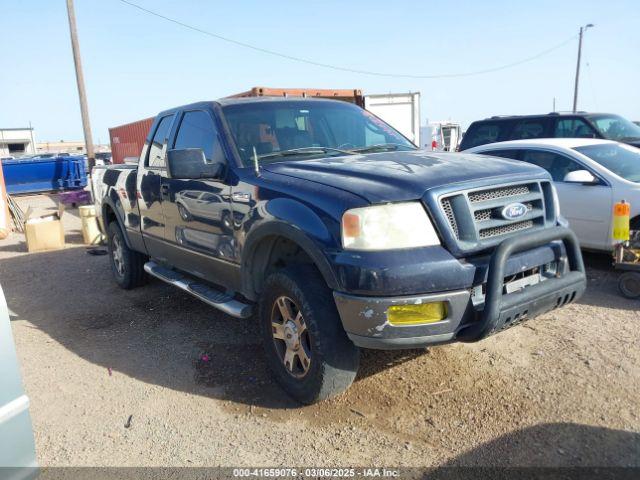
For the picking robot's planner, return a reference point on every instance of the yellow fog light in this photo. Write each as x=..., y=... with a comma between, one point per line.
x=416, y=314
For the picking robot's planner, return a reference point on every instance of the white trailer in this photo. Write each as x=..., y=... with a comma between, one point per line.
x=400, y=110
x=442, y=136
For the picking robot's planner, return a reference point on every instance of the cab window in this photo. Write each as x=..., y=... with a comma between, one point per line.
x=197, y=130
x=155, y=159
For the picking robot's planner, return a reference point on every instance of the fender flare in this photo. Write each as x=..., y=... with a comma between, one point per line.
x=280, y=228
x=107, y=202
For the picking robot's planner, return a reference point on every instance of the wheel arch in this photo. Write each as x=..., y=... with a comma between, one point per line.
x=267, y=245
x=110, y=213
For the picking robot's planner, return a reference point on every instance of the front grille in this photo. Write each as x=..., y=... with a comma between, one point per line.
x=476, y=216
x=483, y=215
x=504, y=229
x=451, y=218
x=489, y=213
x=495, y=193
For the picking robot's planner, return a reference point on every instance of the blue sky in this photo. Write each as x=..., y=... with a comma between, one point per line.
x=136, y=65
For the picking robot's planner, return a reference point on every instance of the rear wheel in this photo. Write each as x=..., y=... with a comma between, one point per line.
x=305, y=345
x=127, y=265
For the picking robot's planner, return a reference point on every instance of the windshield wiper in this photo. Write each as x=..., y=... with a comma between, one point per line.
x=304, y=151
x=381, y=147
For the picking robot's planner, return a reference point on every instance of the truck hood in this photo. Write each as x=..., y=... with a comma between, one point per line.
x=399, y=176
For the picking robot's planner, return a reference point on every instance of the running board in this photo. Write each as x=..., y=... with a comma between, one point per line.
x=208, y=295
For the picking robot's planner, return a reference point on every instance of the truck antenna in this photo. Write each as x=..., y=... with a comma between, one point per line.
x=256, y=166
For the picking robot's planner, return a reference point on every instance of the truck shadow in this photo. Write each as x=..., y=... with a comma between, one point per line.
x=155, y=333
x=553, y=450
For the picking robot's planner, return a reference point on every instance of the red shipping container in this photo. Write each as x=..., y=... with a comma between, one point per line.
x=351, y=96
x=127, y=140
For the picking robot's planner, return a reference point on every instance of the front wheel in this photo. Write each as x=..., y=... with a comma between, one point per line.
x=305, y=345
x=127, y=265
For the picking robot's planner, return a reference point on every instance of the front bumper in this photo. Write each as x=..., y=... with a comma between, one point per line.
x=365, y=318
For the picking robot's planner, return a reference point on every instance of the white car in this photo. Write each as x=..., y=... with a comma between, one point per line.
x=590, y=175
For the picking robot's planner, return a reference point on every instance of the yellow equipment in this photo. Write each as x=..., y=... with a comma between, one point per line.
x=621, y=214
x=626, y=254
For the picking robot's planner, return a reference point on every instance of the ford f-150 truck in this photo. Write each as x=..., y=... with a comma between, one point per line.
x=336, y=232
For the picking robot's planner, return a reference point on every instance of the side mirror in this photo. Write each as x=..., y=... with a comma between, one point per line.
x=581, y=176
x=191, y=164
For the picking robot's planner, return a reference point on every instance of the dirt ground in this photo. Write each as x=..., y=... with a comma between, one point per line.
x=563, y=389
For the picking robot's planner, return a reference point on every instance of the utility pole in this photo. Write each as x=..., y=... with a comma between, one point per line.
x=33, y=141
x=84, y=110
x=575, y=89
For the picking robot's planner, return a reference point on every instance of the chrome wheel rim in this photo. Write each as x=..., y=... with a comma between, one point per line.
x=117, y=253
x=291, y=337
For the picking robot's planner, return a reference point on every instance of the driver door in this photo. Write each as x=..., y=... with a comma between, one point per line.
x=198, y=218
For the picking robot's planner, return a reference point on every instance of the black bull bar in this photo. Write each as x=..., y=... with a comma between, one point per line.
x=502, y=310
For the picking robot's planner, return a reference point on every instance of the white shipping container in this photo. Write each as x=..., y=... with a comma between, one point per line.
x=400, y=110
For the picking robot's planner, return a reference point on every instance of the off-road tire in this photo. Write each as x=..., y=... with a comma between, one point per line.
x=334, y=359
x=131, y=273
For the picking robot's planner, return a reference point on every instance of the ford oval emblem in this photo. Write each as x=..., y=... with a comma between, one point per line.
x=514, y=211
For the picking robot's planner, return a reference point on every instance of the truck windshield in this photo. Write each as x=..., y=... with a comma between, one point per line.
x=300, y=129
x=615, y=127
x=623, y=160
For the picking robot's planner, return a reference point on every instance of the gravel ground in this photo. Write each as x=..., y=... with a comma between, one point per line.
x=117, y=378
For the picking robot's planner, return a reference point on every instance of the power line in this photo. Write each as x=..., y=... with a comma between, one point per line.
x=347, y=69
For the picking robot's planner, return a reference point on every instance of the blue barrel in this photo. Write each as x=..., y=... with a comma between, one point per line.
x=37, y=174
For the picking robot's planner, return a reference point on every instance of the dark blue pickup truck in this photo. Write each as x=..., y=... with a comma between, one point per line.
x=336, y=232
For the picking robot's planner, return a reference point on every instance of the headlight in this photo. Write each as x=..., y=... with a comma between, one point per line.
x=386, y=227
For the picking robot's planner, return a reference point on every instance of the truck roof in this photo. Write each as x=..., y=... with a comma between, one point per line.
x=237, y=100
x=244, y=100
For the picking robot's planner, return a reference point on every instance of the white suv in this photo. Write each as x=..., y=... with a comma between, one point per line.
x=590, y=176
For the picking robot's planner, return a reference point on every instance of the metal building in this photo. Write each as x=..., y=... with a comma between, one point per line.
x=15, y=142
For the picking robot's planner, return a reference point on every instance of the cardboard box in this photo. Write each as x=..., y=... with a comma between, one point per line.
x=90, y=231
x=45, y=232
